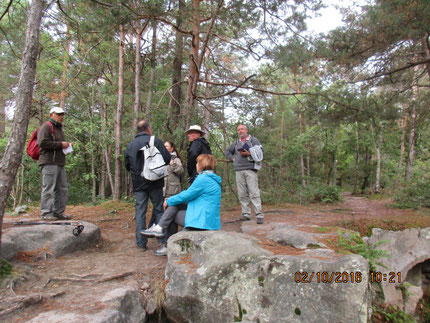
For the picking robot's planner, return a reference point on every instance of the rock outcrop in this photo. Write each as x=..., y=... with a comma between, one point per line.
x=120, y=305
x=402, y=274
x=54, y=239
x=227, y=277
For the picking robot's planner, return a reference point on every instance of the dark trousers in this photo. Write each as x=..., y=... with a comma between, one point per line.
x=156, y=197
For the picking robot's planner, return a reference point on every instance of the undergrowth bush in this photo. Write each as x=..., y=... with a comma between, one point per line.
x=320, y=193
x=415, y=195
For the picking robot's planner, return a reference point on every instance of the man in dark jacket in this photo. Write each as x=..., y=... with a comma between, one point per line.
x=51, y=142
x=198, y=145
x=143, y=188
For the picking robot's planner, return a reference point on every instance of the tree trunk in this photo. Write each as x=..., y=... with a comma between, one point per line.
x=63, y=93
x=137, y=71
x=411, y=152
x=413, y=116
x=426, y=51
x=357, y=151
x=207, y=107
x=403, y=125
x=2, y=119
x=366, y=171
x=176, y=97
x=15, y=146
x=117, y=185
x=194, y=67
x=102, y=184
x=378, y=161
x=302, y=164
x=153, y=65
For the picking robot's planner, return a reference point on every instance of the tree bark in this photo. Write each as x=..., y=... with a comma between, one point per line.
x=63, y=93
x=102, y=183
x=402, y=124
x=2, y=119
x=117, y=185
x=411, y=152
x=137, y=71
x=378, y=161
x=153, y=65
x=413, y=116
x=176, y=97
x=426, y=51
x=14, y=149
x=302, y=164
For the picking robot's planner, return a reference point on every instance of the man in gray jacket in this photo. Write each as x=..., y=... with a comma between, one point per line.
x=246, y=154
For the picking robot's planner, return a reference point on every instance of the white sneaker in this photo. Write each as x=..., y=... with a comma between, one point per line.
x=154, y=231
x=162, y=251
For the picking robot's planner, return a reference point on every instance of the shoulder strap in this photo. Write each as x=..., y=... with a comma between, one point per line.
x=51, y=126
x=151, y=141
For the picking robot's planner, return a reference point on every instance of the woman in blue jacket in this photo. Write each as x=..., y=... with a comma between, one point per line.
x=204, y=203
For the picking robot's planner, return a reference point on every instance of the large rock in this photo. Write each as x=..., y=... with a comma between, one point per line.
x=226, y=277
x=401, y=275
x=291, y=235
x=51, y=238
x=122, y=305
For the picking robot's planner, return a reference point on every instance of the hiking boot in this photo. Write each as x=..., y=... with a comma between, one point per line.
x=62, y=217
x=245, y=218
x=154, y=231
x=162, y=251
x=260, y=221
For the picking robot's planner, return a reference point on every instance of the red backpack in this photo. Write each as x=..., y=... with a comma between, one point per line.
x=32, y=147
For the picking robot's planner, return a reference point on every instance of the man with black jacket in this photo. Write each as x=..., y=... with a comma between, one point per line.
x=143, y=188
x=198, y=146
x=51, y=142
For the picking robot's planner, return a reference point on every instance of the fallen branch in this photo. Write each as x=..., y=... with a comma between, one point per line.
x=25, y=301
x=115, y=277
x=83, y=279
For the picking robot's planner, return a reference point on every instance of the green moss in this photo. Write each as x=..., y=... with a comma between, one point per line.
x=5, y=268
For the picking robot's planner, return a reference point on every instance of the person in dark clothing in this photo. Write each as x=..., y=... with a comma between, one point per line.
x=52, y=159
x=143, y=188
x=198, y=146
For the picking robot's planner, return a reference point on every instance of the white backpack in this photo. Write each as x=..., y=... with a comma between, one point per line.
x=154, y=167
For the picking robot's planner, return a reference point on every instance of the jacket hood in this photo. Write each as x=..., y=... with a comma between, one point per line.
x=203, y=141
x=214, y=176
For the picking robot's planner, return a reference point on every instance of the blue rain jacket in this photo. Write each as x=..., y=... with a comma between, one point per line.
x=204, y=202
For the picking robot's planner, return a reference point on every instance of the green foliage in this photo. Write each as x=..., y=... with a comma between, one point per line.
x=5, y=268
x=414, y=195
x=392, y=314
x=355, y=244
x=320, y=193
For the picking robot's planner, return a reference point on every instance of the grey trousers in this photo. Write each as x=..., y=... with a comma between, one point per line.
x=171, y=218
x=54, y=190
x=248, y=191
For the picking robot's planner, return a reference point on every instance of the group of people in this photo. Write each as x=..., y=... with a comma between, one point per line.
x=196, y=208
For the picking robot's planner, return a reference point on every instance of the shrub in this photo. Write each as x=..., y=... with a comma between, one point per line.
x=320, y=193
x=415, y=195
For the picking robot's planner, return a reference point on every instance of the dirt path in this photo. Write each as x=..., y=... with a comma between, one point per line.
x=118, y=254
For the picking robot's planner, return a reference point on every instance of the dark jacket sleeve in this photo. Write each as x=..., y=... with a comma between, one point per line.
x=46, y=140
x=193, y=153
x=164, y=152
x=127, y=158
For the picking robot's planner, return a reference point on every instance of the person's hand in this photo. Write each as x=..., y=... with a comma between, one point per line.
x=72, y=143
x=165, y=204
x=245, y=153
x=64, y=144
